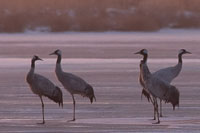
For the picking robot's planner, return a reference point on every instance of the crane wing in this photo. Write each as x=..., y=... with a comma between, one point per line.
x=169, y=73
x=73, y=83
x=154, y=86
x=163, y=90
x=43, y=85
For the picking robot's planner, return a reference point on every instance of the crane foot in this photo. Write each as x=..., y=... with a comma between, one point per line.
x=158, y=122
x=71, y=120
x=41, y=123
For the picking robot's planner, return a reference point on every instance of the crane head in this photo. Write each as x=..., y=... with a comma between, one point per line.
x=183, y=51
x=57, y=52
x=35, y=57
x=142, y=52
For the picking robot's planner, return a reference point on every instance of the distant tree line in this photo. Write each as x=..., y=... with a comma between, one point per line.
x=98, y=15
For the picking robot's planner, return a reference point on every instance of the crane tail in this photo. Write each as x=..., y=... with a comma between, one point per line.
x=146, y=94
x=172, y=96
x=57, y=96
x=90, y=93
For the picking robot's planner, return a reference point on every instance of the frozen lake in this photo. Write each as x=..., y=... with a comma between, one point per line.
x=105, y=60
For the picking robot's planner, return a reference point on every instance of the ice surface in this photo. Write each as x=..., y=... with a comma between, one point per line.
x=107, y=62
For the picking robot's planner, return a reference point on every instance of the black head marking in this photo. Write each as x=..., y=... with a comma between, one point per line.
x=56, y=52
x=142, y=52
x=35, y=58
x=183, y=51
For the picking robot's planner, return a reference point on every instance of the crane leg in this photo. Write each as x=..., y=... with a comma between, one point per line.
x=43, y=122
x=74, y=104
x=156, y=106
x=161, y=108
x=154, y=111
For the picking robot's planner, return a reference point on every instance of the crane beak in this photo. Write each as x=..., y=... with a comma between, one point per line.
x=40, y=59
x=52, y=53
x=187, y=52
x=137, y=52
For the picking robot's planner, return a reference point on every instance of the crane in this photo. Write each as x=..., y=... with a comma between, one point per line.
x=145, y=92
x=170, y=73
x=72, y=83
x=157, y=87
x=42, y=86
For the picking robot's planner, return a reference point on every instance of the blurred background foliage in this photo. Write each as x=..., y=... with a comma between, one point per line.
x=97, y=15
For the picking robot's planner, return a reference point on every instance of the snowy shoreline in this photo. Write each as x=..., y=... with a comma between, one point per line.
x=169, y=34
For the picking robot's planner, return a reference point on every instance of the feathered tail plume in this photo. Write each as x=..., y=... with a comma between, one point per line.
x=90, y=93
x=57, y=96
x=146, y=94
x=172, y=96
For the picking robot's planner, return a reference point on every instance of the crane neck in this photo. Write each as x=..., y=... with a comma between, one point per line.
x=32, y=67
x=59, y=59
x=180, y=58
x=58, y=64
x=145, y=73
x=33, y=64
x=145, y=56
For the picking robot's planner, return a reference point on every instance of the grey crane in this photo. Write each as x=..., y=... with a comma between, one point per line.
x=145, y=92
x=170, y=73
x=167, y=74
x=42, y=86
x=72, y=83
x=156, y=87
